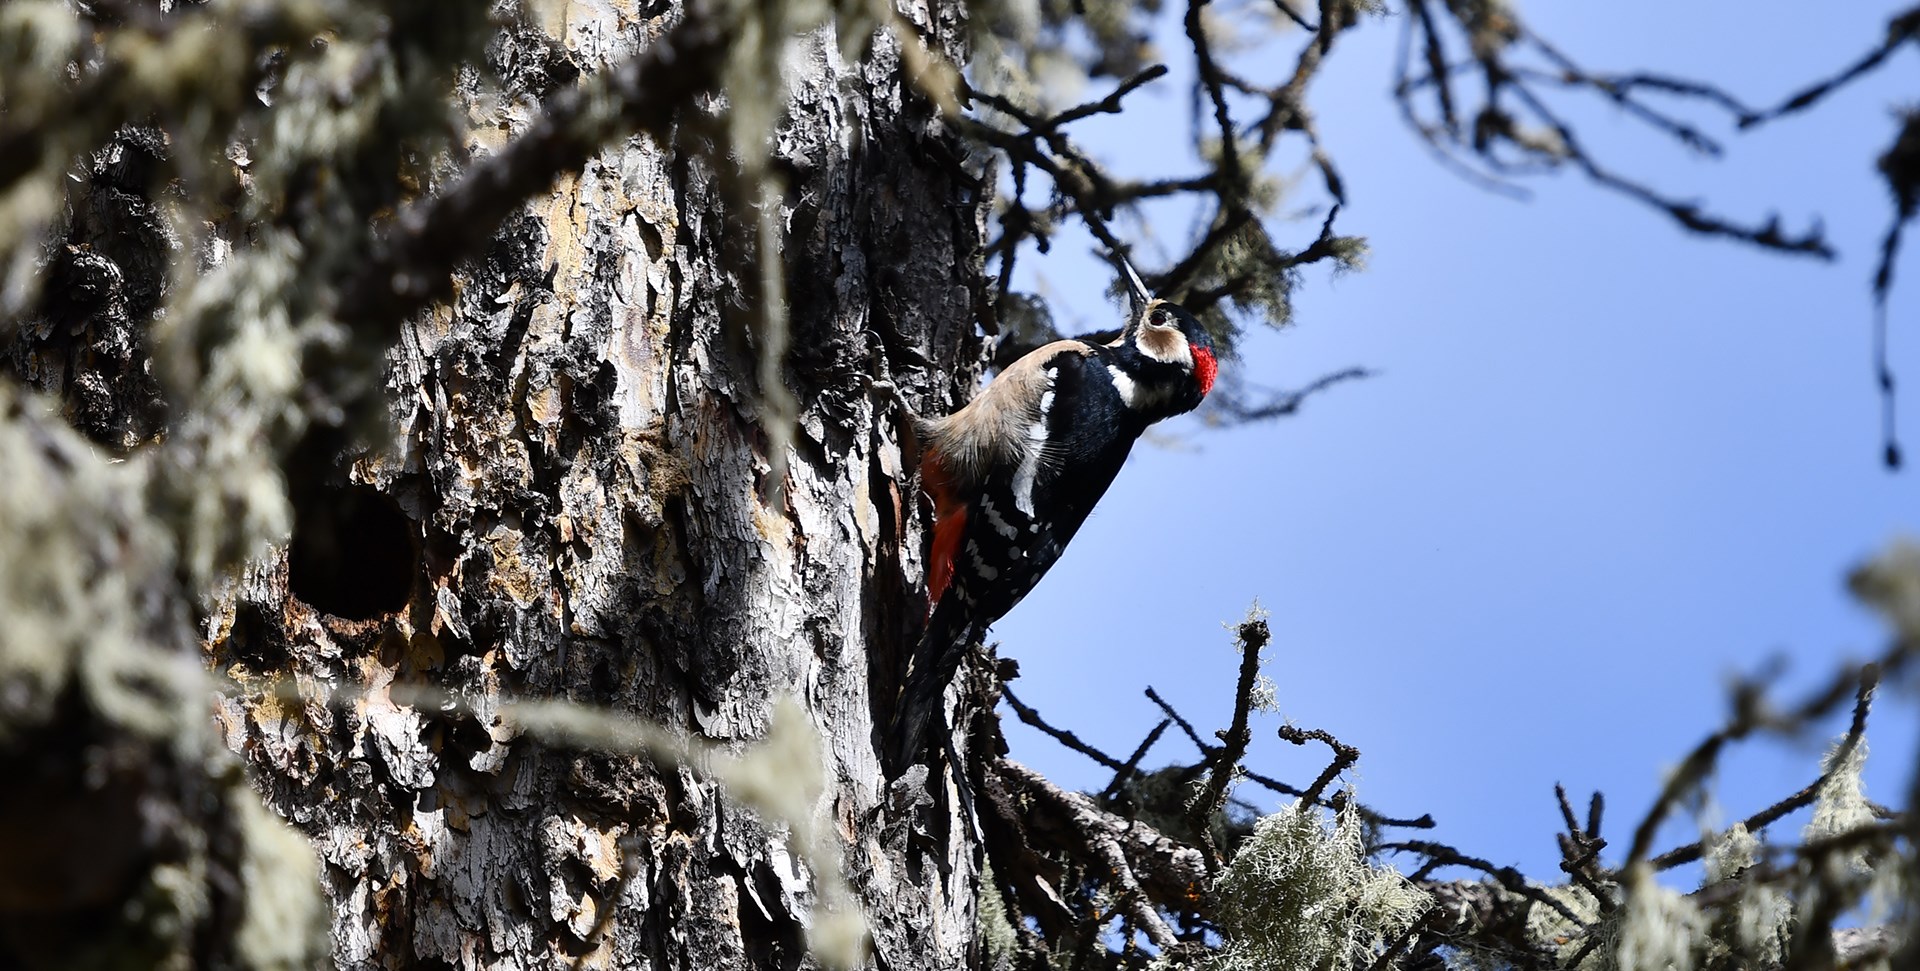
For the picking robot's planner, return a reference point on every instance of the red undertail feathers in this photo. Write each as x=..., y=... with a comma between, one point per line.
x=949, y=525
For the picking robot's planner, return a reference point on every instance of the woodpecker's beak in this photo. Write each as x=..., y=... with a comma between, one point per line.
x=1136, y=290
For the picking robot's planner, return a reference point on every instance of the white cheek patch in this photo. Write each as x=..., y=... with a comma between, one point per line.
x=1168, y=346
x=1123, y=383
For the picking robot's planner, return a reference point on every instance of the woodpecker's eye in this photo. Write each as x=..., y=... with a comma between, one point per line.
x=1158, y=318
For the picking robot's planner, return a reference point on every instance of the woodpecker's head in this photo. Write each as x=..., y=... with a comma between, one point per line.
x=1167, y=353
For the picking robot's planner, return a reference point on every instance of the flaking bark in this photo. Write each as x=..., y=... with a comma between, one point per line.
x=580, y=466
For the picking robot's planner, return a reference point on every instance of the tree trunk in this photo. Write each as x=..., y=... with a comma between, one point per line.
x=577, y=505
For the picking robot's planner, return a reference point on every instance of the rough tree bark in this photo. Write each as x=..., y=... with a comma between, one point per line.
x=581, y=475
x=518, y=676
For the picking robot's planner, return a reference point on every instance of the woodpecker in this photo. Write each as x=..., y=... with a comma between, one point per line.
x=1015, y=472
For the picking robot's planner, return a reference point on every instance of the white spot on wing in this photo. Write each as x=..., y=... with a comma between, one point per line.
x=1123, y=383
x=985, y=572
x=1030, y=458
x=994, y=519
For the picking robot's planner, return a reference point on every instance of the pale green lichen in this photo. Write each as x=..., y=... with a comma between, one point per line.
x=285, y=924
x=230, y=352
x=1758, y=924
x=1350, y=253
x=85, y=578
x=1890, y=583
x=998, y=940
x=327, y=106
x=1300, y=895
x=175, y=901
x=1657, y=928
x=1730, y=855
x=37, y=37
x=1840, y=809
x=1265, y=695
x=77, y=559
x=1550, y=927
x=784, y=777
x=1546, y=927
x=1889, y=898
x=1841, y=806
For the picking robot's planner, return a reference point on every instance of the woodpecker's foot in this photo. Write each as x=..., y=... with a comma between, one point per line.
x=879, y=381
x=908, y=790
x=884, y=390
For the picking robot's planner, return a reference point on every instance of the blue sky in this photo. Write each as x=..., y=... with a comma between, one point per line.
x=1604, y=465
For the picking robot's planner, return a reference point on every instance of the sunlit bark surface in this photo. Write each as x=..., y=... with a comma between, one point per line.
x=579, y=493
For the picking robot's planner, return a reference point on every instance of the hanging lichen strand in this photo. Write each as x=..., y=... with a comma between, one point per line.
x=484, y=392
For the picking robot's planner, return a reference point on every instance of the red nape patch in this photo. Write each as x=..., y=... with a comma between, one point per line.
x=1204, y=368
x=949, y=525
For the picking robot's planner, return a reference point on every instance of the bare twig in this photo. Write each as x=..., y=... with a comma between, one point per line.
x=1856, y=731
x=1254, y=636
x=1207, y=751
x=1440, y=854
x=1212, y=79
x=1185, y=726
x=1900, y=165
x=1900, y=30
x=1109, y=105
x=1344, y=756
x=1495, y=126
x=1066, y=738
x=1233, y=409
x=1767, y=236
x=1132, y=766
x=1750, y=715
x=1579, y=853
x=1146, y=867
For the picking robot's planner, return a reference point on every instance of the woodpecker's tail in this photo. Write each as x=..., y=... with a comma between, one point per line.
x=929, y=669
